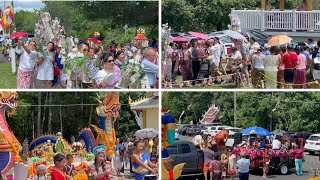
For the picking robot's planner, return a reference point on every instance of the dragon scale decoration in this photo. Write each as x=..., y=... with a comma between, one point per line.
x=108, y=113
x=9, y=145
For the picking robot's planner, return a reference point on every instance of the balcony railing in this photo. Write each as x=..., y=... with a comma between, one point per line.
x=288, y=20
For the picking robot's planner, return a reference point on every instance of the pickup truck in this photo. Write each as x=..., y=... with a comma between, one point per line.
x=186, y=152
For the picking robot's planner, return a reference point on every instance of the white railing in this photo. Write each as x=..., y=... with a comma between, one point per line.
x=278, y=20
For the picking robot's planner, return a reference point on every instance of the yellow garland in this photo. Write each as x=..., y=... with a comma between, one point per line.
x=110, y=152
x=17, y=158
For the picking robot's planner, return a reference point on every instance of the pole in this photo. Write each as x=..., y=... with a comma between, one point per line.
x=235, y=109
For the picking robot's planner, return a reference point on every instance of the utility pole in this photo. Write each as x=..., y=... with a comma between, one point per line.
x=235, y=109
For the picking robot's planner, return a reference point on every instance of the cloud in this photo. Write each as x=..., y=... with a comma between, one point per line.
x=26, y=5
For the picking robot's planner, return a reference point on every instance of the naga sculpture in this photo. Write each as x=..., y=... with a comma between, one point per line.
x=108, y=113
x=9, y=145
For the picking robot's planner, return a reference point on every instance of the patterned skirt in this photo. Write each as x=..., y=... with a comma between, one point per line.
x=24, y=79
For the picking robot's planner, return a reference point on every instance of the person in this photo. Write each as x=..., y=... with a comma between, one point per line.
x=266, y=162
x=232, y=164
x=90, y=69
x=2, y=177
x=41, y=173
x=185, y=58
x=224, y=163
x=290, y=60
x=258, y=67
x=57, y=65
x=109, y=69
x=141, y=162
x=197, y=139
x=69, y=167
x=155, y=152
x=266, y=51
x=244, y=50
x=57, y=172
x=301, y=74
x=99, y=170
x=45, y=71
x=243, y=166
x=154, y=44
x=126, y=158
x=215, y=52
x=215, y=168
x=27, y=64
x=315, y=65
x=129, y=153
x=149, y=67
x=271, y=64
x=276, y=143
x=208, y=157
x=298, y=158
x=221, y=139
x=120, y=60
x=117, y=158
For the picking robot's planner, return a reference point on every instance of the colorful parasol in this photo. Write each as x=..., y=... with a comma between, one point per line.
x=199, y=35
x=19, y=34
x=94, y=40
x=279, y=40
x=179, y=39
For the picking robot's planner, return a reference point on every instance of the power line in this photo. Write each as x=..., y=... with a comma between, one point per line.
x=58, y=105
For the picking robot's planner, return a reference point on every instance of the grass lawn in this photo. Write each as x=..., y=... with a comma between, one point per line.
x=7, y=79
x=225, y=86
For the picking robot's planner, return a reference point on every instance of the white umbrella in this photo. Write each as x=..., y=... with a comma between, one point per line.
x=234, y=34
x=146, y=133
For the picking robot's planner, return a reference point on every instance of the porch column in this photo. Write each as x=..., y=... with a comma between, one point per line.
x=263, y=4
x=282, y=3
x=310, y=5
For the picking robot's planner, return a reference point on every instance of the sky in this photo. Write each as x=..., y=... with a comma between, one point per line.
x=27, y=5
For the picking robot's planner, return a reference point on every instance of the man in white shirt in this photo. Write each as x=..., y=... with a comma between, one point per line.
x=276, y=144
x=215, y=52
x=197, y=140
x=26, y=65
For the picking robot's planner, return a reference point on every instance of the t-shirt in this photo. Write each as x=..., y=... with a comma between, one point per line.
x=290, y=60
x=215, y=51
x=302, y=62
x=196, y=140
x=298, y=153
x=236, y=56
x=276, y=144
x=208, y=155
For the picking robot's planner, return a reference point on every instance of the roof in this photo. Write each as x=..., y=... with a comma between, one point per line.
x=145, y=103
x=210, y=115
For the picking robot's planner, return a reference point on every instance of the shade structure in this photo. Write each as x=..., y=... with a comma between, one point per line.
x=179, y=39
x=257, y=130
x=234, y=34
x=141, y=38
x=19, y=34
x=146, y=133
x=199, y=35
x=279, y=40
x=94, y=40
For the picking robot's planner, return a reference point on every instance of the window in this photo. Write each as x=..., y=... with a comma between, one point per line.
x=185, y=148
x=221, y=128
x=172, y=149
x=314, y=138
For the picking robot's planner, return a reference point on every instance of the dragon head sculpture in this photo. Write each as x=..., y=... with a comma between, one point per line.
x=109, y=106
x=8, y=100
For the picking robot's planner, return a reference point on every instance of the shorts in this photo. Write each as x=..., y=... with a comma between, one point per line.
x=206, y=168
x=289, y=75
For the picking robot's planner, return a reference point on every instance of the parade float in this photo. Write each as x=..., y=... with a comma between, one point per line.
x=9, y=145
x=108, y=114
x=168, y=126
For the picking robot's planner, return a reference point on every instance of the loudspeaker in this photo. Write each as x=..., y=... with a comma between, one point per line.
x=237, y=138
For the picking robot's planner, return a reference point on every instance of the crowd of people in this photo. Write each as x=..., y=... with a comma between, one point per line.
x=285, y=66
x=49, y=71
x=137, y=155
x=220, y=162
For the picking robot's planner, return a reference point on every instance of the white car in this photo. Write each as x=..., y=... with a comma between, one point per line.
x=234, y=129
x=313, y=144
x=205, y=129
x=214, y=130
x=176, y=135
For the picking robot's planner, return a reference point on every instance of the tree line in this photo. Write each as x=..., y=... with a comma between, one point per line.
x=291, y=111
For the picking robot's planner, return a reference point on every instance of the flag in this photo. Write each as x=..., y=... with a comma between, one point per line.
x=8, y=15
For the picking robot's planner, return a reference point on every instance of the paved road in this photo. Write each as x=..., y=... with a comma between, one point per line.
x=312, y=161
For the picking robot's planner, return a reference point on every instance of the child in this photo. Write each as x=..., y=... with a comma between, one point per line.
x=215, y=168
x=224, y=162
x=232, y=164
x=69, y=167
x=41, y=173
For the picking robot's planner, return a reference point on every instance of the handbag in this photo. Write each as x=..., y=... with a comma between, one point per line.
x=233, y=172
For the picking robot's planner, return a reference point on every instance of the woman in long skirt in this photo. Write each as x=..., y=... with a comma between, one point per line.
x=301, y=75
x=271, y=64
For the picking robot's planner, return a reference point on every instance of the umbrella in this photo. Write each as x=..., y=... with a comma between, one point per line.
x=19, y=34
x=279, y=40
x=258, y=131
x=234, y=34
x=199, y=35
x=280, y=132
x=143, y=38
x=179, y=39
x=94, y=40
x=146, y=133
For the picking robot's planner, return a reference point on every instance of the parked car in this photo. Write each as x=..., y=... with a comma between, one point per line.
x=261, y=38
x=234, y=129
x=183, y=129
x=304, y=135
x=313, y=144
x=186, y=152
x=216, y=129
x=194, y=130
x=176, y=135
x=205, y=129
x=230, y=140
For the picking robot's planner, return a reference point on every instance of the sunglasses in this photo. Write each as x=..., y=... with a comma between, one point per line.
x=85, y=50
x=110, y=61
